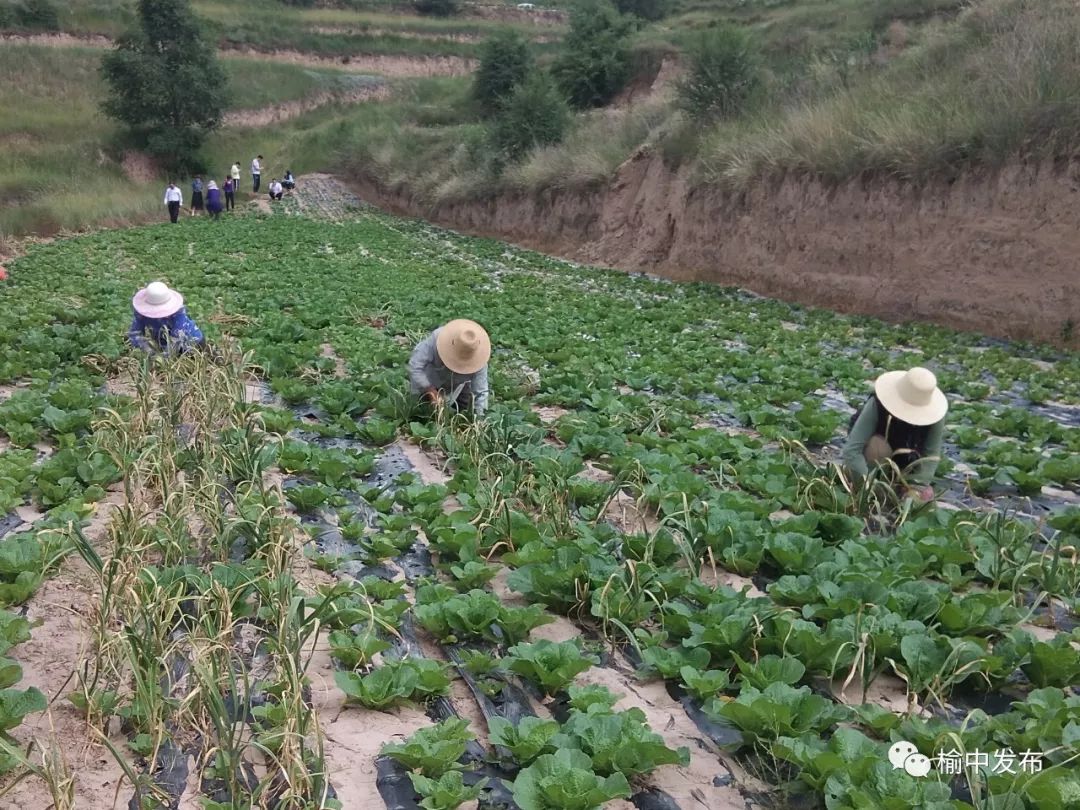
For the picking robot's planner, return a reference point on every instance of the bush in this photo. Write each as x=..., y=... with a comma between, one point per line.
x=436, y=8
x=40, y=15
x=536, y=114
x=595, y=61
x=651, y=10
x=505, y=62
x=724, y=70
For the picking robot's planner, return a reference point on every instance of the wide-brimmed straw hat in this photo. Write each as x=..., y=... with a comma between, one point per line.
x=156, y=300
x=463, y=346
x=912, y=396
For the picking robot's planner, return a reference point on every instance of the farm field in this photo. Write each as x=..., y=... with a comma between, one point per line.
x=264, y=577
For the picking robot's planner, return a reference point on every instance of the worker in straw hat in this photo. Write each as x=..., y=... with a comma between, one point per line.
x=902, y=421
x=160, y=321
x=450, y=365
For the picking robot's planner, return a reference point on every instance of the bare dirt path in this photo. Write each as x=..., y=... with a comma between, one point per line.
x=60, y=612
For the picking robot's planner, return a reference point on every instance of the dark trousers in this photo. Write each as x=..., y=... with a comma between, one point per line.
x=230, y=200
x=255, y=178
x=275, y=196
x=174, y=211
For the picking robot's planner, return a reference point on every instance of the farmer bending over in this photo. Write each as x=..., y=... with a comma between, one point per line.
x=903, y=420
x=160, y=321
x=450, y=365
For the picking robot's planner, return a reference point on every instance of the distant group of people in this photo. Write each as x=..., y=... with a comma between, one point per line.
x=214, y=199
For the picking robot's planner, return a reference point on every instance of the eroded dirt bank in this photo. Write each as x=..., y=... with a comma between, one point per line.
x=994, y=253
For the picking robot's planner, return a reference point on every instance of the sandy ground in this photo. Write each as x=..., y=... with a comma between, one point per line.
x=354, y=735
x=425, y=464
x=340, y=369
x=60, y=611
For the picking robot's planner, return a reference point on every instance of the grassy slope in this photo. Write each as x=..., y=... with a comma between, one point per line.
x=58, y=168
x=908, y=88
x=269, y=25
x=900, y=87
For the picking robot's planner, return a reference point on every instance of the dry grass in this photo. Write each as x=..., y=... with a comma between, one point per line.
x=1000, y=82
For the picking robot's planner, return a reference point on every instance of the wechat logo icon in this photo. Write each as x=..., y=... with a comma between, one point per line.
x=905, y=756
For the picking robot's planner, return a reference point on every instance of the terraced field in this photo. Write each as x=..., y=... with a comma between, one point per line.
x=265, y=577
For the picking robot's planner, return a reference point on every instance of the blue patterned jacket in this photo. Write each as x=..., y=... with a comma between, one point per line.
x=177, y=331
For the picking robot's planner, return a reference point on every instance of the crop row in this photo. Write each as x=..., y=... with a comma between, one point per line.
x=702, y=411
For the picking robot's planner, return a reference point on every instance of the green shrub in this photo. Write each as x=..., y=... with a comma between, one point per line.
x=165, y=82
x=535, y=115
x=595, y=61
x=436, y=8
x=723, y=72
x=40, y=15
x=505, y=61
x=651, y=10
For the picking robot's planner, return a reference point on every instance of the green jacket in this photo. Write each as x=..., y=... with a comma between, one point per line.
x=922, y=472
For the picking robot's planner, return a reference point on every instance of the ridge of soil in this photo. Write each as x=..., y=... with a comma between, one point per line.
x=993, y=251
x=61, y=612
x=291, y=109
x=391, y=65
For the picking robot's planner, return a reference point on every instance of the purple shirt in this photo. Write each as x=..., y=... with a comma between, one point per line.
x=213, y=199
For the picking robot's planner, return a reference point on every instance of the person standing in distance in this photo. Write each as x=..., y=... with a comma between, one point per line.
x=174, y=201
x=235, y=173
x=229, y=187
x=256, y=173
x=196, y=195
x=213, y=200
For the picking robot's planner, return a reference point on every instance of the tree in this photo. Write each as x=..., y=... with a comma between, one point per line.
x=40, y=15
x=651, y=10
x=165, y=83
x=723, y=73
x=436, y=8
x=505, y=62
x=536, y=114
x=594, y=64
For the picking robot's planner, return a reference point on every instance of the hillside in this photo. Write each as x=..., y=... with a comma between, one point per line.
x=904, y=89
x=298, y=78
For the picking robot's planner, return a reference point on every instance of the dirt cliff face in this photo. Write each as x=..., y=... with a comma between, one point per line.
x=993, y=253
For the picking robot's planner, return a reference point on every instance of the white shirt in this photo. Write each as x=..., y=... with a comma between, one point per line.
x=255, y=167
x=275, y=188
x=236, y=171
x=173, y=194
